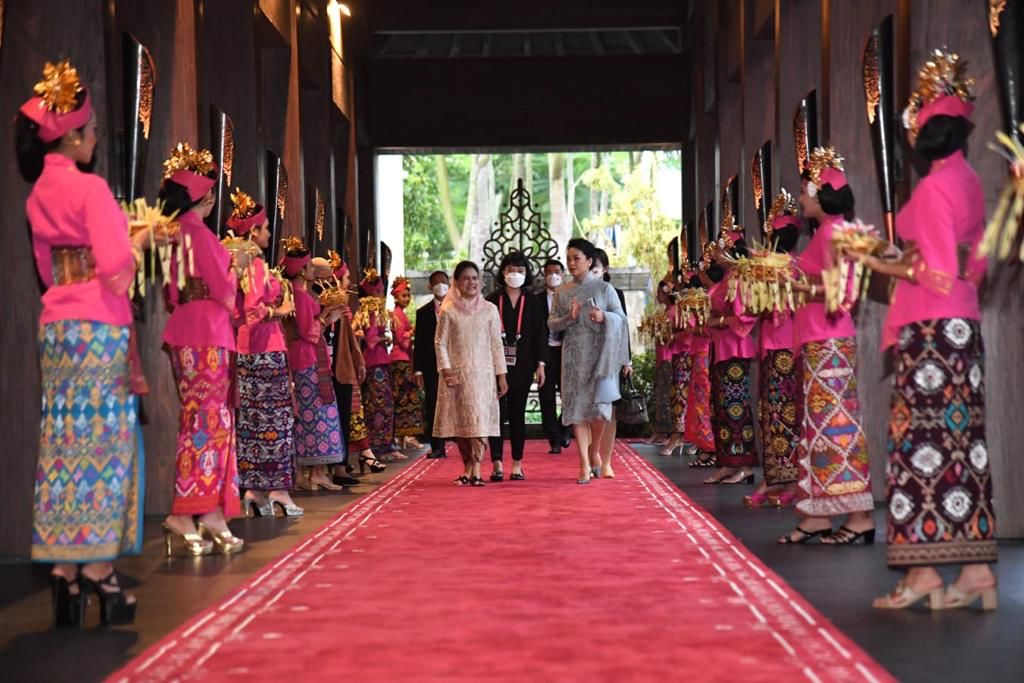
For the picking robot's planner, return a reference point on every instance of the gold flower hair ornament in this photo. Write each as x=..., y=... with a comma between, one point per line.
x=335, y=259
x=370, y=274
x=822, y=158
x=244, y=205
x=60, y=87
x=783, y=205
x=184, y=158
x=292, y=243
x=943, y=74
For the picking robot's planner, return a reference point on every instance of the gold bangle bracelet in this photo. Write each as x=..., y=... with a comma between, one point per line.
x=910, y=274
x=814, y=290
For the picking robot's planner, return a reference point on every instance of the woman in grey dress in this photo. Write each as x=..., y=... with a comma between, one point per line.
x=594, y=351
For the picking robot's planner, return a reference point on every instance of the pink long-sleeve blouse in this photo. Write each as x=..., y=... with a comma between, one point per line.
x=777, y=332
x=736, y=340
x=401, y=331
x=302, y=351
x=205, y=322
x=375, y=349
x=69, y=208
x=946, y=210
x=256, y=334
x=813, y=322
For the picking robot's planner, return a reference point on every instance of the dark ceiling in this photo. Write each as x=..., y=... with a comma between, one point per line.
x=530, y=74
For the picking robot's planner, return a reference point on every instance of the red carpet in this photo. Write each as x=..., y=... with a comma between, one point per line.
x=538, y=580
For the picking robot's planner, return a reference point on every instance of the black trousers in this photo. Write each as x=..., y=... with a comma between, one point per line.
x=343, y=392
x=553, y=428
x=513, y=411
x=430, y=410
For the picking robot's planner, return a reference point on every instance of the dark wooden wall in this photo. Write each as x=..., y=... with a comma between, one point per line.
x=771, y=54
x=260, y=61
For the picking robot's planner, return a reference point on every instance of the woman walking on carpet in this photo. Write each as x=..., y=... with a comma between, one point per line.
x=371, y=325
x=408, y=407
x=524, y=340
x=594, y=352
x=318, y=440
x=939, y=487
x=780, y=405
x=835, y=477
x=201, y=338
x=266, y=451
x=731, y=333
x=86, y=261
x=470, y=360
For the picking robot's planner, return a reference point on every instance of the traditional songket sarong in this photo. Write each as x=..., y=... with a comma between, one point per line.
x=734, y=347
x=378, y=396
x=408, y=407
x=699, y=431
x=781, y=402
x=266, y=452
x=318, y=439
x=835, y=477
x=681, y=367
x=939, y=486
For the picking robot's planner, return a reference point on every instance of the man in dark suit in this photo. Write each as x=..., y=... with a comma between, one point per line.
x=556, y=433
x=424, y=358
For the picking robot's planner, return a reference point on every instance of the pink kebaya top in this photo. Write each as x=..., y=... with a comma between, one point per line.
x=777, y=332
x=735, y=340
x=302, y=351
x=256, y=334
x=813, y=322
x=205, y=322
x=401, y=331
x=946, y=209
x=375, y=351
x=68, y=208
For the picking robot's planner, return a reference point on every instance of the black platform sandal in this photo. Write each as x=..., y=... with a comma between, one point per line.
x=114, y=606
x=804, y=537
x=703, y=462
x=844, y=535
x=68, y=607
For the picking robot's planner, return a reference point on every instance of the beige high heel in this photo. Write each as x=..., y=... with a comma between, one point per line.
x=191, y=544
x=226, y=542
x=903, y=597
x=955, y=598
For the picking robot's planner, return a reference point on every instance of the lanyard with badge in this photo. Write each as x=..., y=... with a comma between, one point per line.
x=510, y=349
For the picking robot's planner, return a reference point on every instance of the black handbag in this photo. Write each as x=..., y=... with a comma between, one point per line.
x=631, y=409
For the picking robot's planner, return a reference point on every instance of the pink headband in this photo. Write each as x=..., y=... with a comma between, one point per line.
x=294, y=264
x=53, y=125
x=782, y=221
x=197, y=185
x=243, y=225
x=947, y=105
x=399, y=287
x=832, y=176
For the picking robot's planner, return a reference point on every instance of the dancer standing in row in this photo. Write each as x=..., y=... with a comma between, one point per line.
x=371, y=326
x=406, y=392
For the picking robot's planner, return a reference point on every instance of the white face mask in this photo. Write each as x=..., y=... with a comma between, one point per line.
x=515, y=280
x=440, y=290
x=553, y=280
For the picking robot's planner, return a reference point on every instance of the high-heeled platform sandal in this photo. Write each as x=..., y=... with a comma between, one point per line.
x=954, y=598
x=225, y=541
x=115, y=609
x=288, y=509
x=191, y=544
x=477, y=481
x=253, y=508
x=903, y=597
x=68, y=607
x=844, y=535
x=803, y=538
x=373, y=463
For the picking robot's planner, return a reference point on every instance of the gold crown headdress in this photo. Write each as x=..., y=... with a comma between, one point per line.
x=943, y=74
x=335, y=259
x=822, y=158
x=292, y=243
x=60, y=87
x=783, y=205
x=244, y=205
x=184, y=158
x=370, y=274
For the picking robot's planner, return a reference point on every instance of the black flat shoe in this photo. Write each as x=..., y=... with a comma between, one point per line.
x=344, y=480
x=114, y=606
x=555, y=450
x=566, y=442
x=68, y=607
x=517, y=476
x=497, y=476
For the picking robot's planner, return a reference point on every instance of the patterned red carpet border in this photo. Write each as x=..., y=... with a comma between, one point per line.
x=540, y=580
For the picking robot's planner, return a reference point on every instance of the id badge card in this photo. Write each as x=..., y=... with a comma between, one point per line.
x=510, y=356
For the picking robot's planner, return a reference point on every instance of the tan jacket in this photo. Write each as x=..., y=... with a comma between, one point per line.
x=348, y=359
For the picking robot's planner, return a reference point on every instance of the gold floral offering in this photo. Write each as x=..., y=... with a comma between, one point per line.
x=847, y=279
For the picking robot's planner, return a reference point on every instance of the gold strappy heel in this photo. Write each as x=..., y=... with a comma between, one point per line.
x=191, y=544
x=226, y=542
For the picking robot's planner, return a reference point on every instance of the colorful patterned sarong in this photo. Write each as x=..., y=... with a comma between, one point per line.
x=734, y=419
x=206, y=468
x=89, y=487
x=781, y=413
x=379, y=409
x=663, y=418
x=835, y=478
x=266, y=452
x=682, y=366
x=318, y=438
x=408, y=406
x=698, y=405
x=939, y=486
